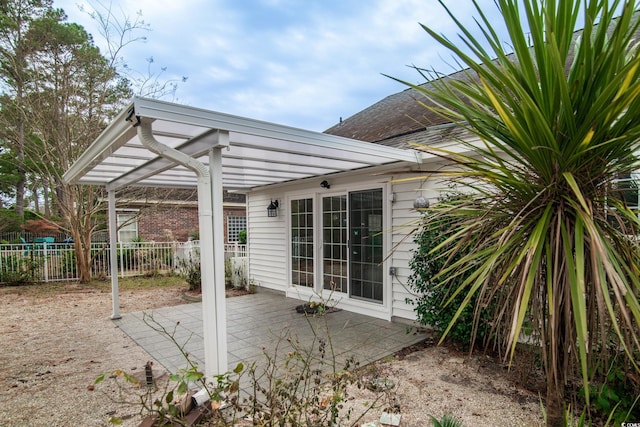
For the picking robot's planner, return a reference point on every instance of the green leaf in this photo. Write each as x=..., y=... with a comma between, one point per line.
x=182, y=387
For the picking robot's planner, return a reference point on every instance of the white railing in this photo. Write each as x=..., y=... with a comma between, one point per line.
x=48, y=262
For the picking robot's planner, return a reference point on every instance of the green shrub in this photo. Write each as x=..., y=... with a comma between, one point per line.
x=242, y=237
x=614, y=394
x=10, y=220
x=447, y=420
x=189, y=270
x=432, y=294
x=17, y=270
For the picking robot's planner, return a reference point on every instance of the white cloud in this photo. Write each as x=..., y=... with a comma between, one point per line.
x=298, y=63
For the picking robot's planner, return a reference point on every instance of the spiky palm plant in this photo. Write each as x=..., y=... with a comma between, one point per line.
x=558, y=117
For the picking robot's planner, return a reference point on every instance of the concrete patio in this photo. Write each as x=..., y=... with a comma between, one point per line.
x=260, y=323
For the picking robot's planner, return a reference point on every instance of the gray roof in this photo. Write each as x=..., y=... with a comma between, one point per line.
x=399, y=119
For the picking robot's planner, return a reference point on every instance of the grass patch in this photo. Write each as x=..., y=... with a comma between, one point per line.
x=41, y=290
x=135, y=283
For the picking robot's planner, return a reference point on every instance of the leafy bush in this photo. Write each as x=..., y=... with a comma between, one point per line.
x=17, y=270
x=189, y=270
x=242, y=237
x=447, y=420
x=615, y=395
x=9, y=220
x=432, y=303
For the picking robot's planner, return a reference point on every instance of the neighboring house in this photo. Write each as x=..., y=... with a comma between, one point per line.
x=167, y=216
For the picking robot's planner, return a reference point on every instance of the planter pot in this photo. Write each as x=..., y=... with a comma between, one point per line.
x=191, y=297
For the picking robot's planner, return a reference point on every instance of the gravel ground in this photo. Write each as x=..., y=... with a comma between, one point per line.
x=55, y=344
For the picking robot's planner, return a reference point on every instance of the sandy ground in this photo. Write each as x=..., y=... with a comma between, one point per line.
x=55, y=343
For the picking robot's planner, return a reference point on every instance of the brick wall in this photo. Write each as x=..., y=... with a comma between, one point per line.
x=167, y=224
x=175, y=223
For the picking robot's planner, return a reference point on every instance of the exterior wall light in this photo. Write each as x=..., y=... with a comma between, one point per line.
x=325, y=184
x=272, y=209
x=421, y=203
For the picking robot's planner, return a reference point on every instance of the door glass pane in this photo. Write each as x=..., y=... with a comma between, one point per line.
x=302, y=242
x=365, y=249
x=334, y=243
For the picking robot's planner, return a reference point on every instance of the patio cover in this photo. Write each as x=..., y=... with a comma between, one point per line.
x=154, y=143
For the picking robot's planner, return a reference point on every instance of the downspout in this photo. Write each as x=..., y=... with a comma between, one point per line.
x=213, y=307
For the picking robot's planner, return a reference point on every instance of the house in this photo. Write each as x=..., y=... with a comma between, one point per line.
x=345, y=236
x=328, y=216
x=167, y=215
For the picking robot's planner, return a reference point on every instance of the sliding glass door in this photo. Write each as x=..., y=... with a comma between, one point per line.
x=365, y=245
x=334, y=243
x=352, y=248
x=302, y=270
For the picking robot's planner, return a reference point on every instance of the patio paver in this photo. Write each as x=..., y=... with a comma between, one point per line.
x=262, y=321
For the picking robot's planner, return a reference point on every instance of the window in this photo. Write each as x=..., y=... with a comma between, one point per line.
x=627, y=187
x=302, y=242
x=127, y=223
x=235, y=224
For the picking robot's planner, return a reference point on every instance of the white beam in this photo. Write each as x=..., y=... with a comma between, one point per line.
x=215, y=120
x=220, y=311
x=114, y=136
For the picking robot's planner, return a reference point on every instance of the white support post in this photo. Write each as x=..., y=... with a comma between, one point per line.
x=113, y=255
x=220, y=310
x=214, y=318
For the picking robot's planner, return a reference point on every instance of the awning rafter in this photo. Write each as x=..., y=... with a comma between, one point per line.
x=259, y=153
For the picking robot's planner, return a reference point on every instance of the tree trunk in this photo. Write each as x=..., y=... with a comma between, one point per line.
x=83, y=258
x=36, y=199
x=21, y=183
x=47, y=205
x=557, y=357
x=555, y=403
x=20, y=159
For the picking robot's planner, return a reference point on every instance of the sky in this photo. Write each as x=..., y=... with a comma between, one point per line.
x=302, y=63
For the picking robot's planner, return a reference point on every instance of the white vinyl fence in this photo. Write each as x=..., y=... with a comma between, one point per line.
x=50, y=262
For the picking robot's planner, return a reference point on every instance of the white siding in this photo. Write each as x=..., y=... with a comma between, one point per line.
x=268, y=237
x=405, y=221
x=266, y=240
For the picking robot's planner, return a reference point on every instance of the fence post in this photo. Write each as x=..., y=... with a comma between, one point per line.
x=121, y=270
x=46, y=262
